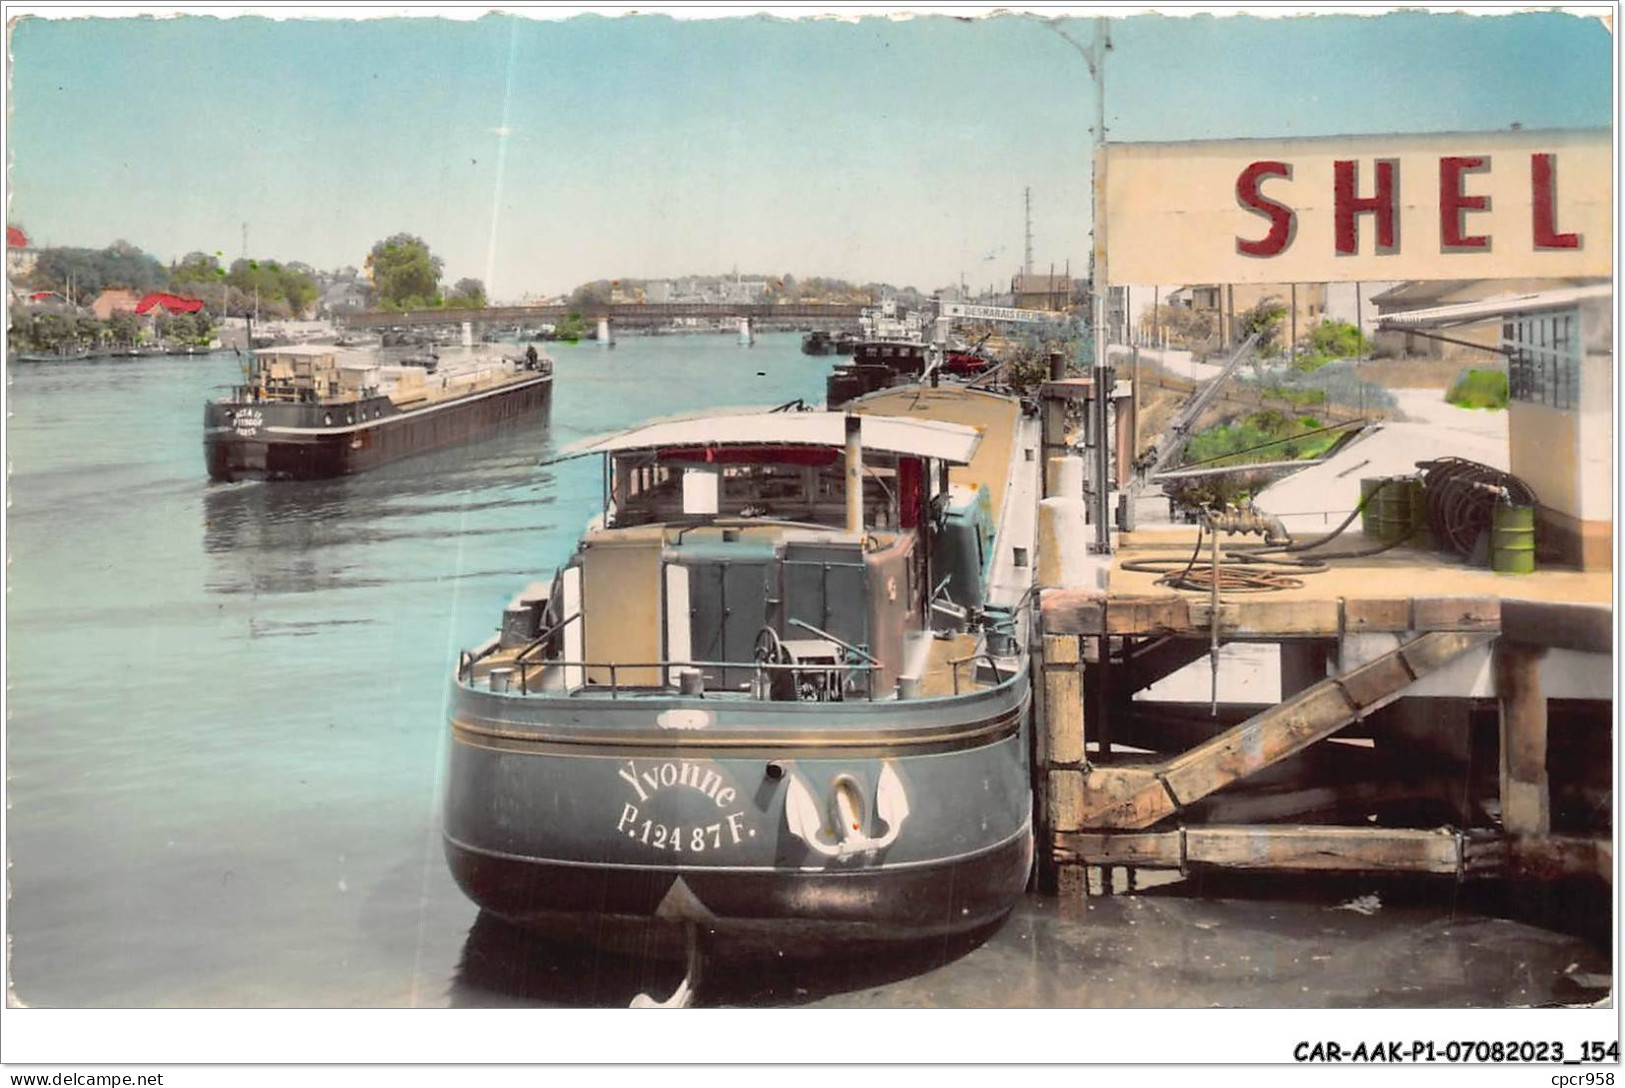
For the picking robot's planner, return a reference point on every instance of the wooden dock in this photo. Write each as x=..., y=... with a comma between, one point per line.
x=1402, y=651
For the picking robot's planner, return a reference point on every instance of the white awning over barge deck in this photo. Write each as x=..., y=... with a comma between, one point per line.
x=952, y=443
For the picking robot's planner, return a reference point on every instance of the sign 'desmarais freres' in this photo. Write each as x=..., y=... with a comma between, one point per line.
x=1454, y=206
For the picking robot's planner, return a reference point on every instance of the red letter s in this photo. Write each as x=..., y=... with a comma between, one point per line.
x=1283, y=220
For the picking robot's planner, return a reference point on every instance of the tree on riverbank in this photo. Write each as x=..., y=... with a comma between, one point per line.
x=88, y=271
x=123, y=329
x=269, y=282
x=52, y=331
x=404, y=273
x=196, y=270
x=469, y=294
x=192, y=329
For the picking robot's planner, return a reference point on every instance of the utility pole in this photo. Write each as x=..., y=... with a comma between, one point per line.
x=1102, y=385
x=1027, y=262
x=245, y=241
x=1292, y=346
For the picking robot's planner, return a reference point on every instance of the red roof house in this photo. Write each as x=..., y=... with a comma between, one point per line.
x=163, y=302
x=114, y=300
x=16, y=239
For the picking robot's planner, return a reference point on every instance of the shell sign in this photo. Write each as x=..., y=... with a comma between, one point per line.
x=1453, y=206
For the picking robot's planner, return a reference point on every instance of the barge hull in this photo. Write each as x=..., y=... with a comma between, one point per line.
x=550, y=828
x=316, y=453
x=789, y=913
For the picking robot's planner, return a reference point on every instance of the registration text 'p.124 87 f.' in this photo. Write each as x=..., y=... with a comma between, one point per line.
x=639, y=818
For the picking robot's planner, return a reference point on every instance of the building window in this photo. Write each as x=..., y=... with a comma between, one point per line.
x=1543, y=358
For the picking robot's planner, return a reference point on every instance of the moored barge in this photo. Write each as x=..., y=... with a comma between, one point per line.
x=778, y=697
x=313, y=411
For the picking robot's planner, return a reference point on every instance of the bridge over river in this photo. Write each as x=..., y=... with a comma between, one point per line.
x=640, y=313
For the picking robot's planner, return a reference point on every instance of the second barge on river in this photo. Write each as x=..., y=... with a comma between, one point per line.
x=313, y=411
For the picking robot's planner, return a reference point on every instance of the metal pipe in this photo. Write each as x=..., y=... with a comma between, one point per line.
x=1292, y=348
x=1213, y=630
x=1101, y=403
x=854, y=473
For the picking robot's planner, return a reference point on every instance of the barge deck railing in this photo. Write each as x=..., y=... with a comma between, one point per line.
x=665, y=667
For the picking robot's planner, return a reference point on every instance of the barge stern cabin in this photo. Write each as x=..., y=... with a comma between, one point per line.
x=778, y=695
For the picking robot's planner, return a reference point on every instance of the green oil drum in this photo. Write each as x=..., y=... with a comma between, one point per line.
x=1423, y=536
x=1512, y=539
x=1395, y=509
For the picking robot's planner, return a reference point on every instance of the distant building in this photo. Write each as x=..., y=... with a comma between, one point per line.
x=344, y=297
x=42, y=302
x=1035, y=291
x=20, y=253
x=163, y=304
x=658, y=291
x=1229, y=305
x=1469, y=343
x=115, y=300
x=743, y=291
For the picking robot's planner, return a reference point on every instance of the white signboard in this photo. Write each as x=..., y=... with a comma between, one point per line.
x=1453, y=206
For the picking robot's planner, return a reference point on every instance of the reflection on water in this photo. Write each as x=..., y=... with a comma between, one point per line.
x=1231, y=941
x=503, y=964
x=308, y=536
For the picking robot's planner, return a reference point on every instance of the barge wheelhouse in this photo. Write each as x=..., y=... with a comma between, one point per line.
x=779, y=693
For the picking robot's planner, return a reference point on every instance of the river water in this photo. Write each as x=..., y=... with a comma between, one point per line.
x=226, y=730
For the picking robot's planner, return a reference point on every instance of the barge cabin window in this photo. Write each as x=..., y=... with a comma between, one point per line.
x=790, y=483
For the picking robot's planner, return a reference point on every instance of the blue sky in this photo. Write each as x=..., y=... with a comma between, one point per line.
x=537, y=153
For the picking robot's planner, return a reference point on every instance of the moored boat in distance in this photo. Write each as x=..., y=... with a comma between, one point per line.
x=778, y=697
x=62, y=355
x=893, y=347
x=890, y=347
x=312, y=411
x=817, y=342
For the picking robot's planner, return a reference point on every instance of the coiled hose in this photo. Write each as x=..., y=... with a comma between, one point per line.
x=1260, y=569
x=1462, y=496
